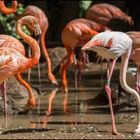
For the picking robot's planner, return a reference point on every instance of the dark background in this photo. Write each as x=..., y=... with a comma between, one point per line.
x=60, y=12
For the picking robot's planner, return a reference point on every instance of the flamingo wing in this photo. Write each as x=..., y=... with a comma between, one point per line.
x=11, y=61
x=11, y=42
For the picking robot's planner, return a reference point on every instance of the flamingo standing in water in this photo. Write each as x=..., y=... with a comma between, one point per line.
x=43, y=22
x=12, y=55
x=6, y=10
x=110, y=46
x=103, y=13
x=75, y=34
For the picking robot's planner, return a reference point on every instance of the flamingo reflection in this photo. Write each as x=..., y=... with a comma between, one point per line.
x=68, y=114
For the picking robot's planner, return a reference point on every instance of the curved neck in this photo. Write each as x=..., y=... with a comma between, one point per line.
x=42, y=43
x=32, y=43
x=6, y=10
x=123, y=69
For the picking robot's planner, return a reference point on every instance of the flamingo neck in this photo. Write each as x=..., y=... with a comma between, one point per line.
x=42, y=41
x=6, y=10
x=123, y=69
x=32, y=43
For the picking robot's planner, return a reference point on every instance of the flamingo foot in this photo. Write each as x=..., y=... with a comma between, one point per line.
x=53, y=79
x=54, y=82
x=65, y=90
x=114, y=132
x=31, y=102
x=48, y=113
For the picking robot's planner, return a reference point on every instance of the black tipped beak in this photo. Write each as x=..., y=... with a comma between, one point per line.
x=37, y=37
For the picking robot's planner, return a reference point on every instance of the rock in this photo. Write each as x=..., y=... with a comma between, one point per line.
x=56, y=55
x=17, y=97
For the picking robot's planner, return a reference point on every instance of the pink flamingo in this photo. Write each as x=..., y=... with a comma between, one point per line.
x=43, y=22
x=111, y=45
x=6, y=10
x=76, y=33
x=103, y=13
x=12, y=55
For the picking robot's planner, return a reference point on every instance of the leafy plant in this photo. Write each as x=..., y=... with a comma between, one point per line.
x=84, y=5
x=8, y=21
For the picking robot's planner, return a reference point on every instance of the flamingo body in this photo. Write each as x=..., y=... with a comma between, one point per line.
x=75, y=34
x=120, y=45
x=12, y=55
x=103, y=13
x=11, y=42
x=116, y=48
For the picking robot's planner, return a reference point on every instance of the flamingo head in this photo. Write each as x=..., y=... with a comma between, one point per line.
x=32, y=24
x=90, y=44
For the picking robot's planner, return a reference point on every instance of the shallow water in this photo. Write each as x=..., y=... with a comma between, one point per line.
x=56, y=110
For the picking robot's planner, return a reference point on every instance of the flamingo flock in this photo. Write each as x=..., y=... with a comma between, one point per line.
x=89, y=33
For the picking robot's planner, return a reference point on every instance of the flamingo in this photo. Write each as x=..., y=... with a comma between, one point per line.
x=103, y=13
x=6, y=10
x=76, y=33
x=12, y=55
x=43, y=22
x=111, y=45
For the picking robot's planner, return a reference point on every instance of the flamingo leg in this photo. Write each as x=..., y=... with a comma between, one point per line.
x=101, y=70
x=138, y=79
x=65, y=102
x=108, y=91
x=3, y=88
x=81, y=63
x=45, y=52
x=64, y=67
x=38, y=68
x=31, y=101
x=38, y=71
x=75, y=76
x=62, y=63
x=29, y=70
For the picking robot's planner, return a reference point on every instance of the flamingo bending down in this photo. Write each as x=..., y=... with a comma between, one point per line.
x=103, y=13
x=111, y=45
x=135, y=55
x=6, y=10
x=76, y=33
x=43, y=22
x=12, y=54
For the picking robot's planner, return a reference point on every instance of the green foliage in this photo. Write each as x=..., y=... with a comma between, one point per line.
x=8, y=21
x=84, y=5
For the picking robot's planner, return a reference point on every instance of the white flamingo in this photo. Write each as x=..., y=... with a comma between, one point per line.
x=111, y=45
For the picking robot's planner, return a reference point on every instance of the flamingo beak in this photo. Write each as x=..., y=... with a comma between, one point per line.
x=37, y=32
x=90, y=44
x=37, y=29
